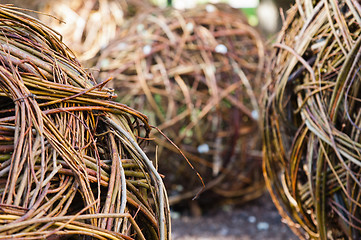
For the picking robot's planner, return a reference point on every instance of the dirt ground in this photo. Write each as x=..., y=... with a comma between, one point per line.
x=257, y=220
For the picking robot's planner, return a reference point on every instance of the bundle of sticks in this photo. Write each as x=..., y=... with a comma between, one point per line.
x=197, y=74
x=72, y=160
x=311, y=121
x=88, y=25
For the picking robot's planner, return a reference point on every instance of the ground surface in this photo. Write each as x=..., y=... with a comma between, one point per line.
x=258, y=220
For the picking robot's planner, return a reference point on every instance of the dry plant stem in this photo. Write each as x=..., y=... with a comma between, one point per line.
x=58, y=221
x=158, y=179
x=122, y=175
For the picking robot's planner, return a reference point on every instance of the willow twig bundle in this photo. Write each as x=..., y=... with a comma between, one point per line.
x=312, y=120
x=197, y=75
x=71, y=161
x=89, y=25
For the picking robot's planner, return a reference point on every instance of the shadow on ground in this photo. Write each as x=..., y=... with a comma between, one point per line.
x=257, y=220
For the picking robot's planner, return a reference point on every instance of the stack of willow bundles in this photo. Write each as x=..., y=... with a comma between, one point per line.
x=88, y=25
x=71, y=162
x=197, y=75
x=312, y=120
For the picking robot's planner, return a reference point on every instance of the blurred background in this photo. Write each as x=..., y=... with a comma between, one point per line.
x=262, y=13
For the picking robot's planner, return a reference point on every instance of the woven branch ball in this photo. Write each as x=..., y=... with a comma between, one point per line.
x=312, y=124
x=89, y=25
x=197, y=75
x=71, y=165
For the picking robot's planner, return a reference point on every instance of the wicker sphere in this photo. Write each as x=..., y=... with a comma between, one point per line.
x=71, y=165
x=197, y=74
x=89, y=25
x=311, y=124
